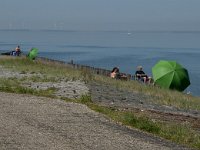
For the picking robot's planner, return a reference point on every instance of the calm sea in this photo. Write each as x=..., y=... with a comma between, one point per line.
x=107, y=49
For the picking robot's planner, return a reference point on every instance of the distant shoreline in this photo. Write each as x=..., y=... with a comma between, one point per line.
x=121, y=31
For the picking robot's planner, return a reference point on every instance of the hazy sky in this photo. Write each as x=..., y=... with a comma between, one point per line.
x=100, y=14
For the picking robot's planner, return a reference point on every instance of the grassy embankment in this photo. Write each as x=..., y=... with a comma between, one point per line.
x=181, y=133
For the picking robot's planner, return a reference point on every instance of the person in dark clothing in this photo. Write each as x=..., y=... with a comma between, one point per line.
x=141, y=76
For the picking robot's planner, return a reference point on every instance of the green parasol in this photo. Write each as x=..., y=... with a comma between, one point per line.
x=170, y=74
x=33, y=53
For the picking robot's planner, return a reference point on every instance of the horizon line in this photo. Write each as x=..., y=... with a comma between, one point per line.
x=76, y=30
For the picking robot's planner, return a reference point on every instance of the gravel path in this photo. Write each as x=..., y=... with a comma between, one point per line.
x=28, y=122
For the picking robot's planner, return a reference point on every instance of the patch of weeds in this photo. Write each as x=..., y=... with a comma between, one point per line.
x=23, y=72
x=142, y=123
x=51, y=79
x=74, y=79
x=18, y=89
x=22, y=79
x=85, y=99
x=182, y=134
x=69, y=100
x=197, y=145
x=15, y=79
x=112, y=113
x=14, y=86
x=51, y=90
x=32, y=72
x=66, y=80
x=48, y=92
x=34, y=79
x=9, y=83
x=87, y=75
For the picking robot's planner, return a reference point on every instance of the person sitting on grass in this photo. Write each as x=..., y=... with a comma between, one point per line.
x=141, y=76
x=115, y=73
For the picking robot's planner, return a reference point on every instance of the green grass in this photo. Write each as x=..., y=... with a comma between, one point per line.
x=142, y=123
x=180, y=133
x=25, y=66
x=13, y=86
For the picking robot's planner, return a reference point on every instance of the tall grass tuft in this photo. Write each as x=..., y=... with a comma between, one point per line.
x=142, y=123
x=85, y=99
x=87, y=75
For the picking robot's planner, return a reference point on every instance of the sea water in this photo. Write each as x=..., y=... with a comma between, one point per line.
x=107, y=49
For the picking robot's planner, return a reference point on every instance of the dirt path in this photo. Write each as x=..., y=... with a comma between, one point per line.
x=28, y=122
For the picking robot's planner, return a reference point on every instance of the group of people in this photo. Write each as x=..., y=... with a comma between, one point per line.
x=17, y=51
x=139, y=75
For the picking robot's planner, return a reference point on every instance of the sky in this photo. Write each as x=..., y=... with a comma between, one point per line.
x=100, y=14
